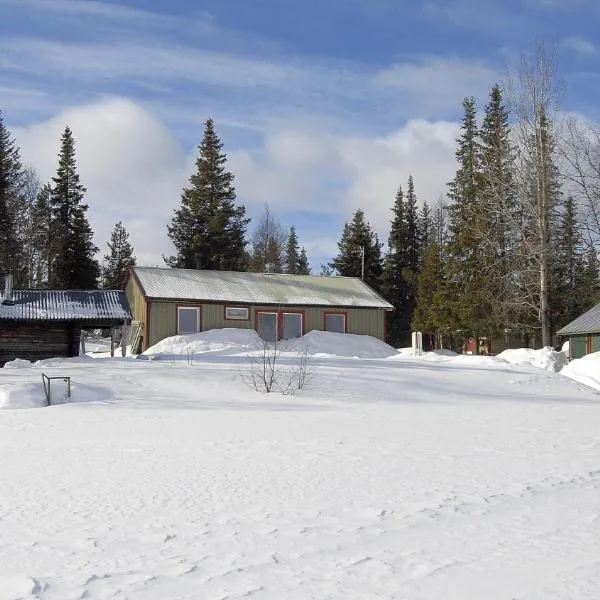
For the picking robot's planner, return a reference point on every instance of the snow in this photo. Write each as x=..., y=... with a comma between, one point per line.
x=243, y=341
x=544, y=358
x=459, y=477
x=585, y=370
x=229, y=340
x=325, y=343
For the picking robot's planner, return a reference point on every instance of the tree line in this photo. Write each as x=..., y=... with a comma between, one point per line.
x=46, y=240
x=511, y=246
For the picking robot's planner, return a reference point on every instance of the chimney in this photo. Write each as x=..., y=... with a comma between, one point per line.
x=8, y=286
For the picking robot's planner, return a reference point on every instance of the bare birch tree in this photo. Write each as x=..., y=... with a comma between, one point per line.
x=535, y=97
x=580, y=154
x=267, y=244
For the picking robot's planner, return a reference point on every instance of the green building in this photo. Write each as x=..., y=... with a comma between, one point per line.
x=583, y=333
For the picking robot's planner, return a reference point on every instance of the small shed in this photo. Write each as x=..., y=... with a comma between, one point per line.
x=168, y=301
x=38, y=324
x=583, y=333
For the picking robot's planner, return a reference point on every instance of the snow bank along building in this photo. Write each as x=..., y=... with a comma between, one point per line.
x=583, y=333
x=167, y=302
x=38, y=324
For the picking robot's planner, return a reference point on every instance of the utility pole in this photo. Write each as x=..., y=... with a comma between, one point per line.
x=362, y=262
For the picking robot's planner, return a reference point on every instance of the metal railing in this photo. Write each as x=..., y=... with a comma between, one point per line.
x=46, y=381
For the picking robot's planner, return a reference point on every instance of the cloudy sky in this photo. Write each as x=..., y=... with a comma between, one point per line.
x=324, y=106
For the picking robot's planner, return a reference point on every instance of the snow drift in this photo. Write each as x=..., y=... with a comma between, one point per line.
x=229, y=340
x=325, y=343
x=244, y=341
x=546, y=358
x=584, y=370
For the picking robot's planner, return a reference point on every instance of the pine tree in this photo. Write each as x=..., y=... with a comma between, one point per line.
x=401, y=264
x=208, y=230
x=73, y=265
x=497, y=213
x=11, y=177
x=413, y=249
x=292, y=252
x=463, y=269
x=430, y=314
x=118, y=260
x=303, y=266
x=295, y=259
x=395, y=287
x=359, y=246
x=426, y=229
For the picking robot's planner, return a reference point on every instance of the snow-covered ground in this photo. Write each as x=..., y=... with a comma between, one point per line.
x=435, y=477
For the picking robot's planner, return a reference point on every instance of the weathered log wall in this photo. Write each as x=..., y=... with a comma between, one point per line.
x=36, y=341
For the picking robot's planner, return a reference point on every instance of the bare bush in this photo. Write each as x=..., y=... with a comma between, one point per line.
x=267, y=373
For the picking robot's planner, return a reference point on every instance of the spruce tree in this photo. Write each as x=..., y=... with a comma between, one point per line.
x=119, y=258
x=430, y=314
x=497, y=213
x=73, y=265
x=426, y=229
x=208, y=230
x=11, y=178
x=463, y=269
x=303, y=266
x=395, y=288
x=413, y=249
x=401, y=264
x=292, y=252
x=358, y=246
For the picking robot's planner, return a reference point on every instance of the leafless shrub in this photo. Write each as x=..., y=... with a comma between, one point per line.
x=267, y=373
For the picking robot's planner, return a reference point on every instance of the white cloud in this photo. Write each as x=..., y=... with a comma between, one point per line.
x=579, y=45
x=334, y=174
x=132, y=167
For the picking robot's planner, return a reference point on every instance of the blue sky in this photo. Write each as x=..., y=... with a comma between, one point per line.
x=324, y=106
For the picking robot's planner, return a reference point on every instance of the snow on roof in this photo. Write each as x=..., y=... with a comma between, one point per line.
x=66, y=305
x=257, y=288
x=588, y=322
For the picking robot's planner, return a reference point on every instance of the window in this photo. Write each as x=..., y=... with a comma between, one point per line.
x=273, y=326
x=291, y=326
x=235, y=312
x=335, y=322
x=188, y=319
x=267, y=326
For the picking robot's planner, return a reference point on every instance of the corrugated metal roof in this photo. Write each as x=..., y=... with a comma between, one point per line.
x=588, y=322
x=257, y=288
x=66, y=305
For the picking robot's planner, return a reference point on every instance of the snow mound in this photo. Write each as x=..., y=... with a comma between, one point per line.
x=228, y=340
x=32, y=395
x=584, y=370
x=546, y=358
x=440, y=355
x=23, y=396
x=18, y=363
x=326, y=343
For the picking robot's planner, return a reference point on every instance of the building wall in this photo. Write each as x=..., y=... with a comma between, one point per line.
x=580, y=345
x=135, y=297
x=36, y=341
x=163, y=318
